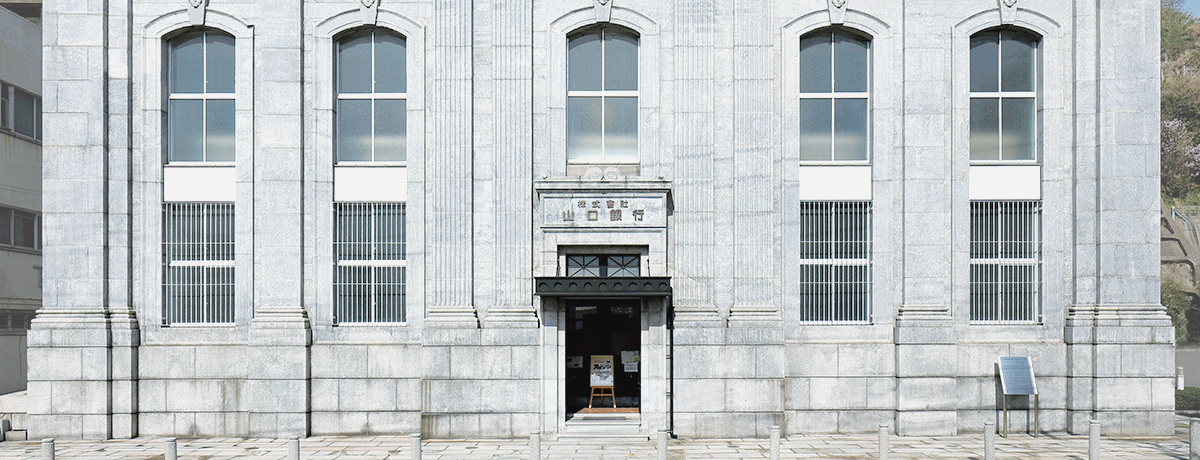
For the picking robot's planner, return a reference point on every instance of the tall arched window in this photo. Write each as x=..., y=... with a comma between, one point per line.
x=834, y=99
x=198, y=234
x=371, y=79
x=1004, y=87
x=372, y=96
x=1006, y=234
x=602, y=96
x=200, y=86
x=834, y=242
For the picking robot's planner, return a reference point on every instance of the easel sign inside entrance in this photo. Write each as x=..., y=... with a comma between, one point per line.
x=602, y=371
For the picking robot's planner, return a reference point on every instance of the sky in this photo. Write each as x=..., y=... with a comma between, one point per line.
x=1192, y=6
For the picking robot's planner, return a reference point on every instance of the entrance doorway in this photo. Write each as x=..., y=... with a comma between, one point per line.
x=600, y=330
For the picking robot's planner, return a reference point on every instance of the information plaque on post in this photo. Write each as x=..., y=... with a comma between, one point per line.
x=1016, y=379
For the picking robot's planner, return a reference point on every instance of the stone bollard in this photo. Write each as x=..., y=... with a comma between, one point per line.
x=662, y=444
x=416, y=445
x=774, y=442
x=1194, y=439
x=1179, y=378
x=535, y=445
x=1094, y=440
x=170, y=451
x=884, y=446
x=989, y=440
x=294, y=447
x=48, y=449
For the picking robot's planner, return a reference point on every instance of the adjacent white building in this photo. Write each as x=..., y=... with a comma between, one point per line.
x=20, y=192
x=467, y=218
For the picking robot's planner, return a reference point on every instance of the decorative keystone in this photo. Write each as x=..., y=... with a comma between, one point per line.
x=837, y=11
x=197, y=10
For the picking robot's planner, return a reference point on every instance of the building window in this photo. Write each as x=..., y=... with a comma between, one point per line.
x=1004, y=87
x=369, y=253
x=4, y=110
x=834, y=98
x=198, y=254
x=372, y=96
x=615, y=266
x=20, y=111
x=834, y=255
x=200, y=106
x=1006, y=261
x=20, y=229
x=602, y=96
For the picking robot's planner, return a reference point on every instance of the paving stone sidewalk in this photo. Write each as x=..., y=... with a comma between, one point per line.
x=825, y=446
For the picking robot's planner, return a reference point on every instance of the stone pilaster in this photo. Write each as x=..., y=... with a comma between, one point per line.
x=512, y=148
x=926, y=364
x=82, y=361
x=693, y=236
x=280, y=334
x=449, y=164
x=752, y=165
x=1120, y=339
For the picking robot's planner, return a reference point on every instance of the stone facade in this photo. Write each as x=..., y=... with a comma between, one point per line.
x=482, y=354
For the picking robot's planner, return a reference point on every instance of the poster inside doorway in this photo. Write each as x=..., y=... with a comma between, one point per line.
x=602, y=370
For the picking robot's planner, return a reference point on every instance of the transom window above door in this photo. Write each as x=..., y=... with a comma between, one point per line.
x=600, y=265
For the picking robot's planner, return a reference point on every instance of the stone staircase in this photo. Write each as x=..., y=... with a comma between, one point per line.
x=13, y=424
x=604, y=428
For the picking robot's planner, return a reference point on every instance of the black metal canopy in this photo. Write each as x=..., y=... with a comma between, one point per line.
x=602, y=287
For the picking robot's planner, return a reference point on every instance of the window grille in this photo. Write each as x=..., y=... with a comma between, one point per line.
x=1006, y=261
x=1004, y=77
x=369, y=250
x=616, y=266
x=602, y=96
x=834, y=97
x=200, y=105
x=834, y=254
x=372, y=96
x=198, y=254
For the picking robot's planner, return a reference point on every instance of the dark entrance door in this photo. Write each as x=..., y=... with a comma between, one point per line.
x=603, y=328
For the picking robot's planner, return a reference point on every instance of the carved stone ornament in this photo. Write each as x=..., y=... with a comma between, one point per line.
x=369, y=10
x=197, y=9
x=1008, y=11
x=603, y=10
x=837, y=11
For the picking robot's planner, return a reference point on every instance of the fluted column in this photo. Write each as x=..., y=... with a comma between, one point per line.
x=449, y=165
x=511, y=85
x=694, y=234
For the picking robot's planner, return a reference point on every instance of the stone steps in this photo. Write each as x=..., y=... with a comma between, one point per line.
x=604, y=428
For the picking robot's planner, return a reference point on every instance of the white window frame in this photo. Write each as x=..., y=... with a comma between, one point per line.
x=204, y=95
x=833, y=95
x=1000, y=95
x=372, y=96
x=605, y=93
x=833, y=303
x=996, y=311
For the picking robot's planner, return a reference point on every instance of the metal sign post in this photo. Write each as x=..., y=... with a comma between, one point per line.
x=1016, y=379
